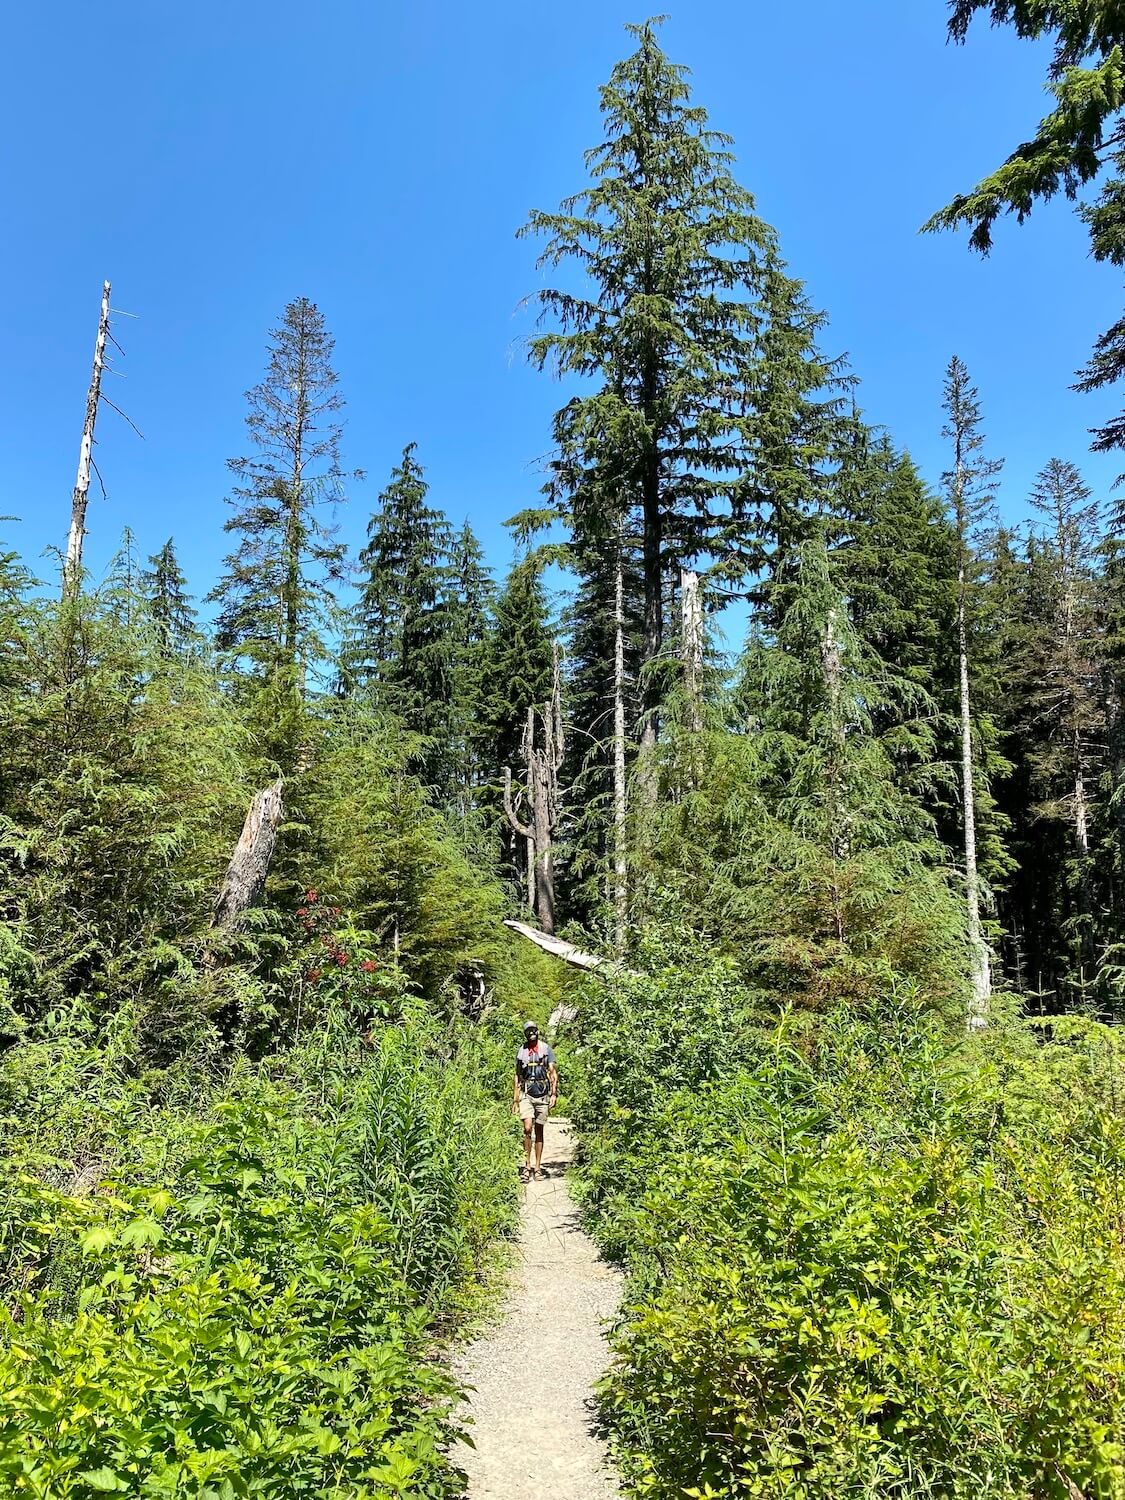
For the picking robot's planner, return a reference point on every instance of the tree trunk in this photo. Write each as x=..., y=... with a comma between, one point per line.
x=620, y=807
x=529, y=753
x=72, y=572
x=541, y=823
x=543, y=801
x=652, y=556
x=250, y=864
x=691, y=614
x=840, y=832
x=981, y=991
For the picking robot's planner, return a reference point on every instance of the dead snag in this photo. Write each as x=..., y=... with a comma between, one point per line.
x=72, y=573
x=250, y=863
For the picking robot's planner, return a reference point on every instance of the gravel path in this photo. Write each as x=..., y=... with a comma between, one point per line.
x=530, y=1414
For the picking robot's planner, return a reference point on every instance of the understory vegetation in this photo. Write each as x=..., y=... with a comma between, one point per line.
x=869, y=1254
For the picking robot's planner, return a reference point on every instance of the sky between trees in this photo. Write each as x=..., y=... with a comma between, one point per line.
x=392, y=197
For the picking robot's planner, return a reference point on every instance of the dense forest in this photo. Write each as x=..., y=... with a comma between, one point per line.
x=848, y=1082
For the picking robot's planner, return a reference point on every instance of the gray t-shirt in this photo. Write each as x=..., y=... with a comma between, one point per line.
x=532, y=1070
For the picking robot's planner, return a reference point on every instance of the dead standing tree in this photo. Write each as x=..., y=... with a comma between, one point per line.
x=72, y=573
x=250, y=863
x=544, y=802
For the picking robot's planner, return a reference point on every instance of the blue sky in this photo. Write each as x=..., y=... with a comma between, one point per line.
x=215, y=161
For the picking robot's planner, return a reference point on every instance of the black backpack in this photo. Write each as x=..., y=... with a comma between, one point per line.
x=534, y=1075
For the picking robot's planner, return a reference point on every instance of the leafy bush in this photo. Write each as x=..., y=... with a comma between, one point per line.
x=868, y=1256
x=243, y=1297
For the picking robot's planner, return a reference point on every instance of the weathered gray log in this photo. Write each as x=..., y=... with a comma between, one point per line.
x=569, y=953
x=250, y=863
x=72, y=572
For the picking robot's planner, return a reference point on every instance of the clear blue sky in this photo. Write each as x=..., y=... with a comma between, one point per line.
x=216, y=160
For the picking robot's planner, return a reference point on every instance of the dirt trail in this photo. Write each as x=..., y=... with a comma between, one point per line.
x=531, y=1412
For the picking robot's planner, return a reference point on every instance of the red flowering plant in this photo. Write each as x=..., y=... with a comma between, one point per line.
x=338, y=966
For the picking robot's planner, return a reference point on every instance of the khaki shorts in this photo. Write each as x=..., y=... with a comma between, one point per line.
x=534, y=1109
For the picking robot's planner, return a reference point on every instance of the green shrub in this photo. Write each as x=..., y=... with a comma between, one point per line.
x=867, y=1256
x=243, y=1299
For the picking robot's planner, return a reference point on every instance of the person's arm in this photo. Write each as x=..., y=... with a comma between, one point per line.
x=553, y=1081
x=516, y=1090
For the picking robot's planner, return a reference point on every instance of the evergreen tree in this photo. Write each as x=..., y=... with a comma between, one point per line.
x=404, y=641
x=169, y=602
x=684, y=295
x=276, y=597
x=798, y=850
x=470, y=600
x=516, y=674
x=592, y=770
x=516, y=662
x=969, y=487
x=1066, y=723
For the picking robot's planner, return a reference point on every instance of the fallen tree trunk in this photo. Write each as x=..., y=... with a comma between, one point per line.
x=250, y=863
x=569, y=954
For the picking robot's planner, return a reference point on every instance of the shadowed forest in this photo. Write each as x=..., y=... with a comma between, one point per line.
x=847, y=1079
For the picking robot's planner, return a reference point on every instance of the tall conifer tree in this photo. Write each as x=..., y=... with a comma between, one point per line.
x=403, y=643
x=276, y=597
x=683, y=292
x=970, y=484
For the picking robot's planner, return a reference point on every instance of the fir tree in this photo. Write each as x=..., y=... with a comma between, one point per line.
x=276, y=596
x=516, y=678
x=799, y=850
x=471, y=596
x=404, y=641
x=169, y=602
x=516, y=662
x=969, y=487
x=683, y=293
x=1066, y=722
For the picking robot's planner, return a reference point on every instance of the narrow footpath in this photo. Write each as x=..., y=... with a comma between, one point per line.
x=531, y=1412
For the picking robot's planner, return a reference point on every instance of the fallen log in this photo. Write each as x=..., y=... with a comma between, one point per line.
x=568, y=952
x=250, y=863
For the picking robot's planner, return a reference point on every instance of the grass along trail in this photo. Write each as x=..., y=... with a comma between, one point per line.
x=530, y=1414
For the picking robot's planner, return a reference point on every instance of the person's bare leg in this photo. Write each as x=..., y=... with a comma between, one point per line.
x=539, y=1147
x=527, y=1145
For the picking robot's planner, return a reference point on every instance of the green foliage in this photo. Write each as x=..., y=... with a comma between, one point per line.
x=124, y=788
x=799, y=842
x=239, y=1298
x=867, y=1257
x=713, y=404
x=275, y=599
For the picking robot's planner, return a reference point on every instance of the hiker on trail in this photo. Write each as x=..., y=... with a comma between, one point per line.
x=535, y=1088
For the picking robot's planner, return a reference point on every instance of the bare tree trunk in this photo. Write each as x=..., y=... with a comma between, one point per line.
x=544, y=803
x=981, y=992
x=652, y=560
x=250, y=864
x=840, y=833
x=1081, y=806
x=72, y=572
x=691, y=615
x=620, y=807
x=529, y=755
